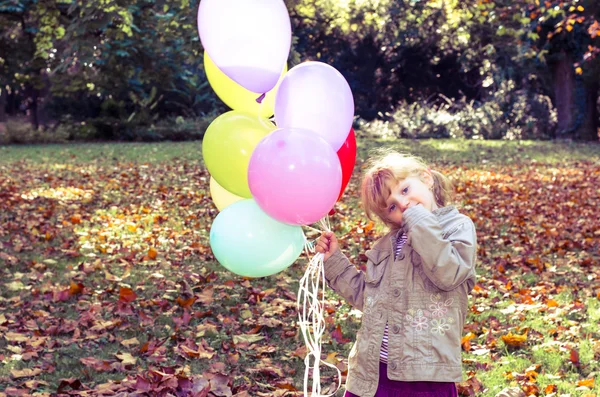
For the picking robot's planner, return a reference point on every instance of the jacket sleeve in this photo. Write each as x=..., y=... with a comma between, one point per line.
x=345, y=279
x=448, y=260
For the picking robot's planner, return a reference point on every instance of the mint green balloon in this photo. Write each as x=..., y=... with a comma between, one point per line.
x=248, y=242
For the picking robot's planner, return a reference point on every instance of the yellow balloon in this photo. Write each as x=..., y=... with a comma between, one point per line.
x=227, y=146
x=221, y=197
x=237, y=97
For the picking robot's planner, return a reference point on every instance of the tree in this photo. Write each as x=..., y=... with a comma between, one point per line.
x=562, y=39
x=28, y=29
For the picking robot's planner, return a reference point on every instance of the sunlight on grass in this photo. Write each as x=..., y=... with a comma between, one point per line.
x=60, y=194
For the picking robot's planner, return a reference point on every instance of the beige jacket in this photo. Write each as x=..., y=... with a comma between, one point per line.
x=422, y=295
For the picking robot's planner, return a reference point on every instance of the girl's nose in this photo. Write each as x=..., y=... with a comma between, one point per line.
x=404, y=202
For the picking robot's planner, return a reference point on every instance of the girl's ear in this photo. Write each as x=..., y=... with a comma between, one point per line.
x=428, y=178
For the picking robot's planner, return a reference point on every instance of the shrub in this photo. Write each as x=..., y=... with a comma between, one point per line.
x=174, y=129
x=21, y=131
x=507, y=114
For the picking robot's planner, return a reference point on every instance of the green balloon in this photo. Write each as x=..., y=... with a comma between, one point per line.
x=227, y=146
x=248, y=242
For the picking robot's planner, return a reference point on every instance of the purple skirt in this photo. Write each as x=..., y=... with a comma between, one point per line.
x=394, y=388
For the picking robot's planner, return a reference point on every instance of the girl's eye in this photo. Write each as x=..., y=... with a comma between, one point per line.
x=405, y=190
x=392, y=207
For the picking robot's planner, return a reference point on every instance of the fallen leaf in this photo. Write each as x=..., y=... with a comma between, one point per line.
x=126, y=295
x=152, y=253
x=514, y=340
x=126, y=358
x=25, y=373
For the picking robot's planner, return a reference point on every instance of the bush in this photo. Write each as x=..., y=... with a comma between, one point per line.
x=507, y=114
x=174, y=129
x=21, y=131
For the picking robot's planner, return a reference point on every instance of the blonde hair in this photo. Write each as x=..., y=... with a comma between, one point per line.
x=387, y=169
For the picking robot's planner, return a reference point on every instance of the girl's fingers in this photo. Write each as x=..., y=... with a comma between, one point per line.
x=322, y=246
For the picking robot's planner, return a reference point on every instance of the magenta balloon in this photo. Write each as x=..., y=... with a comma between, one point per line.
x=248, y=40
x=316, y=97
x=295, y=176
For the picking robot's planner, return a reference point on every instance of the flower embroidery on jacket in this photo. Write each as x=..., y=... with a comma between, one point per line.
x=421, y=319
x=439, y=308
x=417, y=319
x=439, y=326
x=370, y=303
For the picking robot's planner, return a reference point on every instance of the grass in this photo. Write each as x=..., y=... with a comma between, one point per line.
x=114, y=216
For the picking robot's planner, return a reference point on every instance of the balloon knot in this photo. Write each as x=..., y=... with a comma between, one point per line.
x=260, y=98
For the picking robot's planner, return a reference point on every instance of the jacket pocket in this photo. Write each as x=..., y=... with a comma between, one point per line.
x=432, y=330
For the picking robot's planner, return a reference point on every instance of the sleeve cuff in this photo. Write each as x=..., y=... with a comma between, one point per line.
x=414, y=215
x=335, y=264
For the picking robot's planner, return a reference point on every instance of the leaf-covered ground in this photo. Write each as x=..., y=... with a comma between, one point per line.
x=108, y=285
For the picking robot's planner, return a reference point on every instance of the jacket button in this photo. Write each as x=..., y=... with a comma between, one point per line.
x=396, y=329
x=393, y=365
x=401, y=256
x=396, y=292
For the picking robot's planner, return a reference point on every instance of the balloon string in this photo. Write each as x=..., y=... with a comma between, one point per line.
x=310, y=302
x=261, y=97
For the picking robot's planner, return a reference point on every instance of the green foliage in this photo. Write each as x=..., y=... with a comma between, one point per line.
x=143, y=60
x=508, y=114
x=20, y=131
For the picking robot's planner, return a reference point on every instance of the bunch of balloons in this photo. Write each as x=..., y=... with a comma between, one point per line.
x=269, y=179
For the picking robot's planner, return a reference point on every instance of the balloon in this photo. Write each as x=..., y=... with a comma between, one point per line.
x=227, y=146
x=347, y=156
x=248, y=40
x=248, y=242
x=294, y=176
x=221, y=197
x=237, y=97
x=315, y=96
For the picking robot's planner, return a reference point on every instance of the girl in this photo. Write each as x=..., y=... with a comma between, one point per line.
x=414, y=291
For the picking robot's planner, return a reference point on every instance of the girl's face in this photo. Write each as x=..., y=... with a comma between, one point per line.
x=408, y=192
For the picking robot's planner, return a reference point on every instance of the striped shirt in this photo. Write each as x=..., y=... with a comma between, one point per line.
x=383, y=354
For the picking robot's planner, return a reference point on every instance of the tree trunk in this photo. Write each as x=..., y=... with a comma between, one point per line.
x=564, y=94
x=3, y=102
x=589, y=129
x=33, y=108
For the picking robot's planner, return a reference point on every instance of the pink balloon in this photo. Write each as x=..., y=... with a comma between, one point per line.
x=248, y=40
x=294, y=176
x=315, y=96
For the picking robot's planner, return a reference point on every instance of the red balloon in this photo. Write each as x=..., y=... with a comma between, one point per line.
x=347, y=156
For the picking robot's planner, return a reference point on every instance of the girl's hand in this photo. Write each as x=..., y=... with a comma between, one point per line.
x=327, y=244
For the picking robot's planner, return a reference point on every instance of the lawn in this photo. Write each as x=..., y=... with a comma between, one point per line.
x=108, y=284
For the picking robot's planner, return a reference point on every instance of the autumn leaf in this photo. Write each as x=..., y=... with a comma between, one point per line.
x=126, y=358
x=586, y=383
x=249, y=338
x=96, y=364
x=574, y=357
x=126, y=295
x=130, y=342
x=15, y=337
x=338, y=336
x=514, y=340
x=75, y=288
x=551, y=303
x=25, y=373
x=186, y=303
x=152, y=253
x=465, y=341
